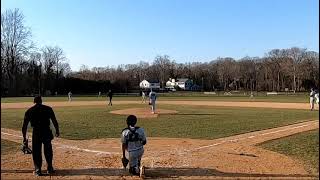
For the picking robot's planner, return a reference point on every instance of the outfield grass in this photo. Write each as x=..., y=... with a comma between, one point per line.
x=9, y=147
x=201, y=122
x=303, y=146
x=301, y=98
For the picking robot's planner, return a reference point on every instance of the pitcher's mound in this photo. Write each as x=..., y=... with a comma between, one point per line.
x=143, y=112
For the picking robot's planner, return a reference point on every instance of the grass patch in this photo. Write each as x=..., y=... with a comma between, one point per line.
x=303, y=146
x=201, y=122
x=301, y=98
x=9, y=147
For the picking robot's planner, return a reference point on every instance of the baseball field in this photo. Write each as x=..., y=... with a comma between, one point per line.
x=189, y=137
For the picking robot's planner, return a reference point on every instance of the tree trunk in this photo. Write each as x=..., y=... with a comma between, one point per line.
x=278, y=85
x=294, y=79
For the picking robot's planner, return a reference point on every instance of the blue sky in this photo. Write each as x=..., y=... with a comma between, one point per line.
x=99, y=33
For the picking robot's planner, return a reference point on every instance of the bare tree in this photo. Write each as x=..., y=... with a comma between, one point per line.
x=296, y=54
x=15, y=45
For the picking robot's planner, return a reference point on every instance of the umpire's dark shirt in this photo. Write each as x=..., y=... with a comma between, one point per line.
x=110, y=94
x=39, y=116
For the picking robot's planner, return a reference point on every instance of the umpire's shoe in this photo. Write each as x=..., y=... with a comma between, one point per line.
x=51, y=170
x=37, y=173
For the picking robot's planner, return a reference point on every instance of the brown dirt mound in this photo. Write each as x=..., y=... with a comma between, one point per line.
x=143, y=112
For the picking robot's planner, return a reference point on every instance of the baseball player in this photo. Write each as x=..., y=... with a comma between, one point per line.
x=133, y=139
x=152, y=101
x=317, y=97
x=143, y=97
x=110, y=94
x=313, y=97
x=69, y=96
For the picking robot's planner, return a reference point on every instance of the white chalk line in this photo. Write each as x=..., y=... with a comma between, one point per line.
x=249, y=137
x=185, y=151
x=63, y=146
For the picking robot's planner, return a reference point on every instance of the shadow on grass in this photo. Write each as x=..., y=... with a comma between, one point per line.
x=162, y=173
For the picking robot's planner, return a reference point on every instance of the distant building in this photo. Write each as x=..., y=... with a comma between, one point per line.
x=182, y=83
x=149, y=84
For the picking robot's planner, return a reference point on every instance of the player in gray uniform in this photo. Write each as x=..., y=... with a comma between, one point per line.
x=133, y=139
x=143, y=94
x=313, y=97
x=70, y=96
x=152, y=101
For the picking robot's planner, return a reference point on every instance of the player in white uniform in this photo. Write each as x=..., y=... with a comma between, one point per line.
x=133, y=139
x=143, y=97
x=152, y=101
x=314, y=96
x=70, y=96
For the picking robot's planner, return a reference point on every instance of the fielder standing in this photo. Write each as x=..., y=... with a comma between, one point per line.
x=110, y=94
x=152, y=101
x=143, y=97
x=313, y=97
x=69, y=96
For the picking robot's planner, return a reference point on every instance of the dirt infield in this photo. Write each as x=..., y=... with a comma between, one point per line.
x=198, y=103
x=143, y=112
x=224, y=158
x=167, y=158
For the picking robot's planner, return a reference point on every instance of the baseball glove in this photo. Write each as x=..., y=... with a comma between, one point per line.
x=125, y=162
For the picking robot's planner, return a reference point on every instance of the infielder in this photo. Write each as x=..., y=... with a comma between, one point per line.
x=133, y=139
x=143, y=97
x=110, y=94
x=314, y=96
x=152, y=101
x=69, y=96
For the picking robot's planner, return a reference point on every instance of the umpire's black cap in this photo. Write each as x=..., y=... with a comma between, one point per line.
x=37, y=100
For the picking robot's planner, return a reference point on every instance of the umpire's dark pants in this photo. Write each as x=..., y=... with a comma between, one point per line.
x=39, y=138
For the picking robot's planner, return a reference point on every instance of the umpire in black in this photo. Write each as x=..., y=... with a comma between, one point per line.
x=39, y=116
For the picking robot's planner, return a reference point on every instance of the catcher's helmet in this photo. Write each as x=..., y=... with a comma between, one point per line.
x=131, y=120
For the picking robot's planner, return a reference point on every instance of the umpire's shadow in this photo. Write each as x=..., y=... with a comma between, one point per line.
x=159, y=172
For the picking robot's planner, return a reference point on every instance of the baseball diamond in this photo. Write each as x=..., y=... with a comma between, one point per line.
x=227, y=156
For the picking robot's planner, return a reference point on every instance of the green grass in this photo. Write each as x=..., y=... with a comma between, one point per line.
x=300, y=98
x=303, y=146
x=9, y=147
x=201, y=122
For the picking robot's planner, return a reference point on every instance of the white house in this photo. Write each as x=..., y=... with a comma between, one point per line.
x=183, y=83
x=149, y=84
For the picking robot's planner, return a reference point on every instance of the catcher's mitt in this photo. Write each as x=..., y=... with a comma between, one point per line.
x=25, y=148
x=125, y=162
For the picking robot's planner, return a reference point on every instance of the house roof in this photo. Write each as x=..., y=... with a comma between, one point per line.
x=182, y=79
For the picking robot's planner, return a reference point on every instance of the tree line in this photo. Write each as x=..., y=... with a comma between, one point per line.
x=294, y=68
x=27, y=69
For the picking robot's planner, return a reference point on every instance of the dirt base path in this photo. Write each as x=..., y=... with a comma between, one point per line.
x=203, y=103
x=169, y=158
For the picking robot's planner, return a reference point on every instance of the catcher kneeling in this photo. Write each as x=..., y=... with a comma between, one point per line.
x=133, y=139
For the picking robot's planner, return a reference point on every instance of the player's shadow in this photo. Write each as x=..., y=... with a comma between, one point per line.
x=151, y=173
